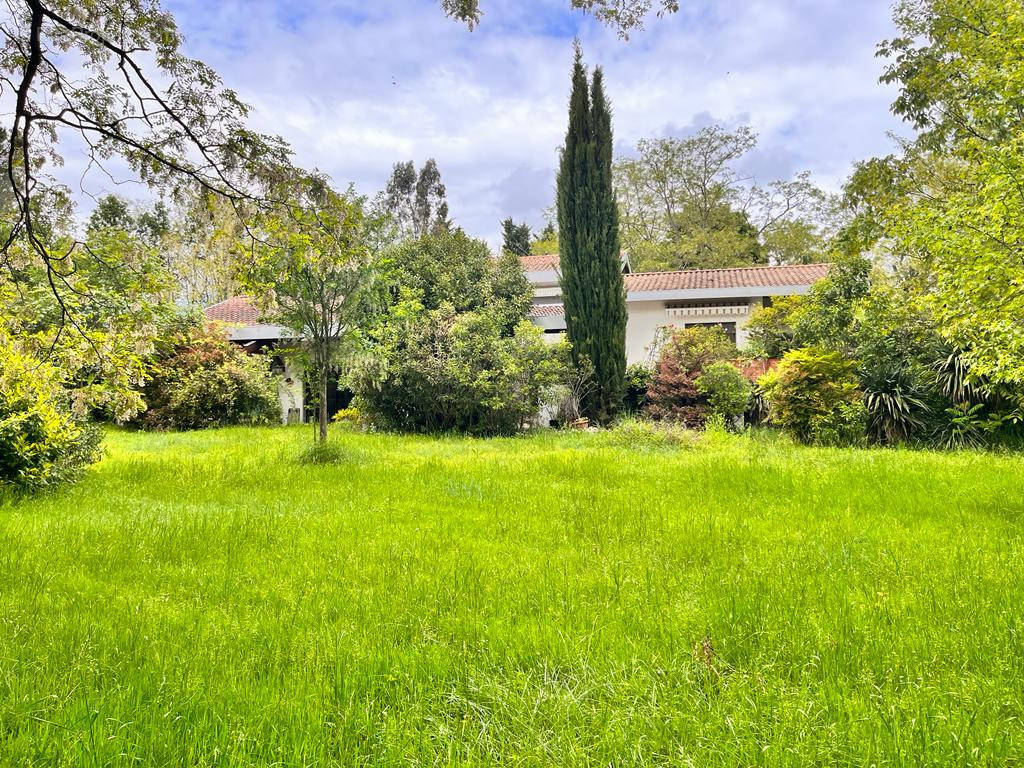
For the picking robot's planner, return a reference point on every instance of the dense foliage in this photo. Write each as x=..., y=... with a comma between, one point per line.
x=916, y=387
x=453, y=351
x=684, y=204
x=673, y=392
x=638, y=380
x=199, y=379
x=593, y=292
x=42, y=442
x=441, y=370
x=814, y=395
x=727, y=390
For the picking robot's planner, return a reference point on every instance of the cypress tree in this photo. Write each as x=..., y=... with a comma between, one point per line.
x=592, y=287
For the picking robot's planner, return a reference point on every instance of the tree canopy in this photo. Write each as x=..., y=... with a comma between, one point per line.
x=684, y=203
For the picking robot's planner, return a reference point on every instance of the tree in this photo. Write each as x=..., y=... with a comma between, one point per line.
x=684, y=204
x=149, y=224
x=592, y=287
x=955, y=217
x=546, y=242
x=200, y=249
x=314, y=265
x=621, y=15
x=516, y=237
x=417, y=202
x=113, y=76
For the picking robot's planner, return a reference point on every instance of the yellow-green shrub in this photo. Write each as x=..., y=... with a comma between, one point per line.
x=814, y=395
x=42, y=443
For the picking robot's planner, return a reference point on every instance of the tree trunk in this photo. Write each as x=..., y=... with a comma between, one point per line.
x=323, y=403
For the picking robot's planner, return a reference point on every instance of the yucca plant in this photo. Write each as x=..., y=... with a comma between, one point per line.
x=895, y=404
x=954, y=379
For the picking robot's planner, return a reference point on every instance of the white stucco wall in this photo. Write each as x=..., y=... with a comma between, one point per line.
x=646, y=317
x=290, y=392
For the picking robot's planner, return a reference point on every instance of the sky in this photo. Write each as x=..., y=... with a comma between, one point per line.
x=357, y=85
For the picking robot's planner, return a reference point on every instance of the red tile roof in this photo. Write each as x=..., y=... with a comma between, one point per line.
x=237, y=309
x=546, y=310
x=736, y=277
x=542, y=263
x=697, y=279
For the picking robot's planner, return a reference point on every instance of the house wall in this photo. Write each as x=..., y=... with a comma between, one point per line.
x=290, y=392
x=646, y=317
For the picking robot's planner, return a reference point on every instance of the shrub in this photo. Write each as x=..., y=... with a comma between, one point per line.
x=349, y=418
x=673, y=392
x=638, y=379
x=42, y=443
x=727, y=390
x=200, y=380
x=896, y=407
x=814, y=396
x=441, y=371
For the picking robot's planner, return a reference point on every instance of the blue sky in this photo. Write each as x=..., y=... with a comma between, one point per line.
x=356, y=85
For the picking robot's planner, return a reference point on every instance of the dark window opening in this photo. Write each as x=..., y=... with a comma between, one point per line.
x=729, y=328
x=338, y=398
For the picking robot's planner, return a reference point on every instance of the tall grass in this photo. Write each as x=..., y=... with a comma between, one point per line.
x=562, y=599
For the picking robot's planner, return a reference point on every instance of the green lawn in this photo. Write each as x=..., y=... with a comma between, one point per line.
x=562, y=599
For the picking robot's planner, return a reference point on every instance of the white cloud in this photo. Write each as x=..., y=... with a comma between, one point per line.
x=356, y=86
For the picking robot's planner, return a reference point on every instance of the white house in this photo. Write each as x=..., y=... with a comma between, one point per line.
x=724, y=297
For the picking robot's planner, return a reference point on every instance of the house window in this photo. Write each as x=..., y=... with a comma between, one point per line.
x=729, y=328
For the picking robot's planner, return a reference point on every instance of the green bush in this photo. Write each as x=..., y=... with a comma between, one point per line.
x=441, y=371
x=897, y=407
x=200, y=380
x=42, y=443
x=727, y=390
x=638, y=379
x=814, y=396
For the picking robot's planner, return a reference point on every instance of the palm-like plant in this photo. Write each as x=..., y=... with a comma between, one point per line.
x=954, y=379
x=895, y=405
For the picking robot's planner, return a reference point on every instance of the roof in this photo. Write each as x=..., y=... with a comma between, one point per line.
x=549, y=262
x=539, y=263
x=241, y=310
x=237, y=309
x=546, y=310
x=701, y=279
x=719, y=279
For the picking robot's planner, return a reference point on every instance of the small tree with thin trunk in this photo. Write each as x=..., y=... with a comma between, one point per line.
x=313, y=267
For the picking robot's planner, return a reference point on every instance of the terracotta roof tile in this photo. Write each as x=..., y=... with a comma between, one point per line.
x=736, y=277
x=697, y=279
x=546, y=310
x=540, y=263
x=237, y=309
